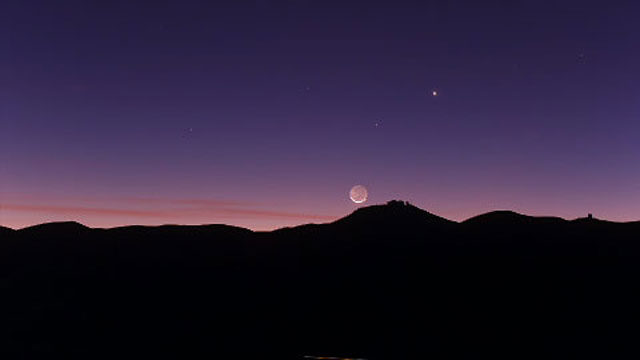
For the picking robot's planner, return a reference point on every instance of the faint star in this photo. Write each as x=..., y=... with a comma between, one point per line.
x=434, y=93
x=581, y=58
x=186, y=133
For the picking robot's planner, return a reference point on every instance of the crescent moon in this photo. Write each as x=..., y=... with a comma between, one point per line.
x=358, y=194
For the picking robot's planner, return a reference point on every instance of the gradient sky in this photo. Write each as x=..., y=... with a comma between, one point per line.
x=263, y=114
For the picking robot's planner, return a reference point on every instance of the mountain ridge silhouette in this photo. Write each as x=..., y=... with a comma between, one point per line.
x=384, y=282
x=370, y=213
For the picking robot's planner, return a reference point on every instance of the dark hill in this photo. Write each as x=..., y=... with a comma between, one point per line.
x=510, y=218
x=5, y=232
x=55, y=229
x=386, y=282
x=393, y=214
x=391, y=228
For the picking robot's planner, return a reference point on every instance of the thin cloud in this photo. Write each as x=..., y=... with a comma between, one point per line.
x=259, y=213
x=189, y=201
x=75, y=210
x=33, y=198
x=213, y=209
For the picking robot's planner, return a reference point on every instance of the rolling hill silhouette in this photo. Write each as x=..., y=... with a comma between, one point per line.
x=385, y=282
x=5, y=231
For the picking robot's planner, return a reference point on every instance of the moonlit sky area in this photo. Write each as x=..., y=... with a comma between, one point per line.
x=264, y=114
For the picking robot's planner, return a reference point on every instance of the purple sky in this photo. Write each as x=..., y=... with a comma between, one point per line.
x=263, y=114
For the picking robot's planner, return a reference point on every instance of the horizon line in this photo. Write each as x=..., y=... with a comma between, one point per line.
x=260, y=212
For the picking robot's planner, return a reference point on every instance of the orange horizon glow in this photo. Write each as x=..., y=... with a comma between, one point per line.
x=144, y=211
x=26, y=211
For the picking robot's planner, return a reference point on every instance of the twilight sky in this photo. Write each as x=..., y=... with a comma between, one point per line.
x=264, y=114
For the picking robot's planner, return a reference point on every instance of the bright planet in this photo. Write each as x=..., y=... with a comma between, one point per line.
x=358, y=194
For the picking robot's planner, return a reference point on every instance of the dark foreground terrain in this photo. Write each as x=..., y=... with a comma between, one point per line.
x=386, y=282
